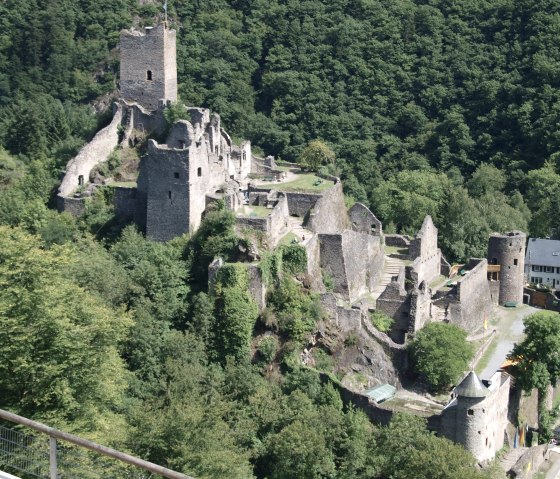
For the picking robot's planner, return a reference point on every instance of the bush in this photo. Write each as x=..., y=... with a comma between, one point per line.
x=382, y=322
x=268, y=347
x=294, y=259
x=440, y=354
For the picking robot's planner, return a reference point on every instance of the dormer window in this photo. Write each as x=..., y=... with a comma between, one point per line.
x=149, y=75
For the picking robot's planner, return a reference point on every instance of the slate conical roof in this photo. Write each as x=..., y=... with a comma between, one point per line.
x=471, y=387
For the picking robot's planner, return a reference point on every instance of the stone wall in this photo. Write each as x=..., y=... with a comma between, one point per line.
x=313, y=251
x=274, y=224
x=300, y=204
x=529, y=463
x=94, y=153
x=364, y=221
x=399, y=241
x=394, y=302
x=148, y=67
x=473, y=296
x=420, y=307
x=257, y=287
x=479, y=424
x=164, y=188
x=329, y=215
x=74, y=206
x=125, y=203
x=353, y=260
x=424, y=251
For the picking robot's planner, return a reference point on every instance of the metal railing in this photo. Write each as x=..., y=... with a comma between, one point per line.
x=38, y=457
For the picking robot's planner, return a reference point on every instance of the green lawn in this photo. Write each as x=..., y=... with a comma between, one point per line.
x=123, y=184
x=255, y=211
x=306, y=182
x=287, y=239
x=396, y=250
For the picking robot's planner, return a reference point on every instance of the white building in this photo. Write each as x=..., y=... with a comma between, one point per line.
x=542, y=262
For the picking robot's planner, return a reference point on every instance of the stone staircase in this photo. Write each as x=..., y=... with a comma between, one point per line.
x=511, y=457
x=296, y=227
x=392, y=268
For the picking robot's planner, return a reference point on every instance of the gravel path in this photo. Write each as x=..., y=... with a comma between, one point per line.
x=510, y=331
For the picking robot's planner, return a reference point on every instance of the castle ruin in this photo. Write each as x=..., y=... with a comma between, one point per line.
x=197, y=163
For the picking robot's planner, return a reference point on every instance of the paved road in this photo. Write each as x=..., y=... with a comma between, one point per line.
x=510, y=331
x=554, y=464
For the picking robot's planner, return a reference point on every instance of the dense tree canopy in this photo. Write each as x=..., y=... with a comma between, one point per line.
x=441, y=353
x=443, y=107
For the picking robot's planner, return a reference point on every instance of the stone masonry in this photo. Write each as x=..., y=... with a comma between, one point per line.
x=148, y=66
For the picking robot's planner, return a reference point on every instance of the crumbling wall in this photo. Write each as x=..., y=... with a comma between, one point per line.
x=313, y=251
x=329, y=212
x=425, y=252
x=353, y=260
x=94, y=153
x=399, y=241
x=279, y=219
x=473, y=296
x=300, y=204
x=394, y=300
x=420, y=307
x=364, y=221
x=74, y=206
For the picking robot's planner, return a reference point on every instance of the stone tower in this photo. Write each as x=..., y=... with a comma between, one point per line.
x=149, y=66
x=476, y=417
x=471, y=419
x=508, y=251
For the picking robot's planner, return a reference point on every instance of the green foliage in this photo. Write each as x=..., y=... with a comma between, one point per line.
x=214, y=238
x=382, y=322
x=59, y=344
x=175, y=112
x=538, y=365
x=409, y=450
x=268, y=347
x=296, y=311
x=315, y=155
x=294, y=259
x=271, y=266
x=327, y=280
x=441, y=353
x=236, y=312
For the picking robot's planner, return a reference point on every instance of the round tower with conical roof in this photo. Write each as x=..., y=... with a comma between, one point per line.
x=472, y=415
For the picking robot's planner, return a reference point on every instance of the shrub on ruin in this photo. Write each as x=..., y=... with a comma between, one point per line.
x=440, y=354
x=236, y=313
x=294, y=259
x=296, y=310
x=382, y=322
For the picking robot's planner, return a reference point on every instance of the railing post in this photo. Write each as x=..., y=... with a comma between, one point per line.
x=53, y=468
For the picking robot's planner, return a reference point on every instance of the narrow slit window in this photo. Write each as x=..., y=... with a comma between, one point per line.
x=199, y=171
x=169, y=194
x=515, y=262
x=176, y=175
x=80, y=180
x=149, y=75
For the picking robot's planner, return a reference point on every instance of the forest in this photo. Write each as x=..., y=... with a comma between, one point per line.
x=442, y=107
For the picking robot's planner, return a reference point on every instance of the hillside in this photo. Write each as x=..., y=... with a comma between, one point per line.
x=440, y=108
